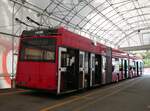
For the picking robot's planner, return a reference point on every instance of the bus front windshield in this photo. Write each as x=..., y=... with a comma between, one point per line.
x=38, y=49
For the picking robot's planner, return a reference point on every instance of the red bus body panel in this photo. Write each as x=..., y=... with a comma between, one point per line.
x=37, y=75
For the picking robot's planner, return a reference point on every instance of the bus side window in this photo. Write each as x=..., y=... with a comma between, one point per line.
x=64, y=59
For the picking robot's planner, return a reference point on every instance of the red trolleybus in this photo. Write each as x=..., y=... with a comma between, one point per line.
x=59, y=61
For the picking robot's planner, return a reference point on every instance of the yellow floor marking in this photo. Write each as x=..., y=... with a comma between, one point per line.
x=108, y=95
x=79, y=97
x=60, y=104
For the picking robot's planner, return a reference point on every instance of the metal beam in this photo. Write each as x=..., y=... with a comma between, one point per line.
x=120, y=40
x=12, y=35
x=39, y=10
x=136, y=48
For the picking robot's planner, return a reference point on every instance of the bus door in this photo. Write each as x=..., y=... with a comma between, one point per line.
x=103, y=79
x=81, y=69
x=87, y=70
x=62, y=68
x=92, y=69
x=125, y=68
x=108, y=65
x=137, y=67
x=141, y=68
x=68, y=70
x=98, y=70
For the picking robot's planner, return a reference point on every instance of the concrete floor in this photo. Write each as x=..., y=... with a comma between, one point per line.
x=129, y=95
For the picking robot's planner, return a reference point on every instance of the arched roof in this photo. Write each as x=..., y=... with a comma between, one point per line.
x=113, y=22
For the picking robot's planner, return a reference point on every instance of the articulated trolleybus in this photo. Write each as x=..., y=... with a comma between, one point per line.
x=60, y=61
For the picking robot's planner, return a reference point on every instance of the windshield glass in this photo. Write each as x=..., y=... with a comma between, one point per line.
x=38, y=49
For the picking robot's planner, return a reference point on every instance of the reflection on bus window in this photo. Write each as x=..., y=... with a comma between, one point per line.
x=41, y=49
x=104, y=64
x=86, y=63
x=81, y=60
x=32, y=54
x=116, y=64
x=64, y=59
